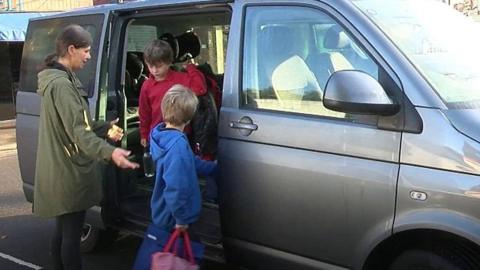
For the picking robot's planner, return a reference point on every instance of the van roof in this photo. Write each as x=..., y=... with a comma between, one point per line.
x=106, y=8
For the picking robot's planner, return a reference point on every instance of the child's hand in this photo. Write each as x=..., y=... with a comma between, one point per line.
x=143, y=142
x=181, y=227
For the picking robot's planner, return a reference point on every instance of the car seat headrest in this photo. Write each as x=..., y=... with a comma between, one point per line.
x=170, y=39
x=335, y=38
x=277, y=41
x=134, y=65
x=183, y=46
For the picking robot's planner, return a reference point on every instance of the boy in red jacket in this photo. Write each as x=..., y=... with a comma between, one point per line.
x=158, y=56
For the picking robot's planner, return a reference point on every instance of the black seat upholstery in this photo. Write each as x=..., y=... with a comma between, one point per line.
x=134, y=78
x=184, y=46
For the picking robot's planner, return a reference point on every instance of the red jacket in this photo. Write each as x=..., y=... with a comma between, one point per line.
x=152, y=93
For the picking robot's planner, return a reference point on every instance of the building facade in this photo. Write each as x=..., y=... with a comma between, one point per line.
x=49, y=5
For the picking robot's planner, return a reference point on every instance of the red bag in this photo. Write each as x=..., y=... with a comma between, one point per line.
x=168, y=259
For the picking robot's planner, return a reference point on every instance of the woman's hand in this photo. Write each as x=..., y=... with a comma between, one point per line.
x=115, y=133
x=120, y=158
x=143, y=142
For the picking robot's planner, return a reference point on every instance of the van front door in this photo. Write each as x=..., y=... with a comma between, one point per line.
x=299, y=183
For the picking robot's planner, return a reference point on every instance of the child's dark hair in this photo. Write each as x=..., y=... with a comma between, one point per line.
x=158, y=51
x=70, y=35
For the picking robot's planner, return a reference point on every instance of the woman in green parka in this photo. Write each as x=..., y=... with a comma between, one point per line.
x=70, y=147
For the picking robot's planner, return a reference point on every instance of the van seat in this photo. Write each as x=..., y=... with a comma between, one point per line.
x=292, y=80
x=134, y=78
x=286, y=72
x=325, y=64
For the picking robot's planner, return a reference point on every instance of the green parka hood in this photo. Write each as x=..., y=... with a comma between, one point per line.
x=47, y=76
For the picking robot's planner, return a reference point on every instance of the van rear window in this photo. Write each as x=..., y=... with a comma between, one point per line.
x=40, y=42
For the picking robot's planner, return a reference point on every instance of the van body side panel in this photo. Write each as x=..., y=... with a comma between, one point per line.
x=440, y=146
x=297, y=184
x=317, y=187
x=451, y=204
x=232, y=78
x=100, y=74
x=316, y=133
x=298, y=200
x=28, y=106
x=267, y=258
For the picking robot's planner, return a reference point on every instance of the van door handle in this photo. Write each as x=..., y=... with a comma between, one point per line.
x=245, y=125
x=240, y=125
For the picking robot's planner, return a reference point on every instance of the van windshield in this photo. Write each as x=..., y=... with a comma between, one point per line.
x=442, y=43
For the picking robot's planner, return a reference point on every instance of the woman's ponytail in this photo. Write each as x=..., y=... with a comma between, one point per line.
x=50, y=59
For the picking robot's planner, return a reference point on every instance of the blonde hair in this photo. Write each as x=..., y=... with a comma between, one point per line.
x=179, y=105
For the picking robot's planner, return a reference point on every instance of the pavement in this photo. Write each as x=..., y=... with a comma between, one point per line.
x=24, y=238
x=5, y=124
x=8, y=143
x=12, y=201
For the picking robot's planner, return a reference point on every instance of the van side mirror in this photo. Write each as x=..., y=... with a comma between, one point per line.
x=353, y=91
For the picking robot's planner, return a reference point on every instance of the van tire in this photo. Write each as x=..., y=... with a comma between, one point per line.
x=94, y=239
x=427, y=260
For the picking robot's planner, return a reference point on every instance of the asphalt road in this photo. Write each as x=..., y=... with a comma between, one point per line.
x=24, y=238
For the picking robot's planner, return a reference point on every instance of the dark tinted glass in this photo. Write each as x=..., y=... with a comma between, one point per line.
x=40, y=42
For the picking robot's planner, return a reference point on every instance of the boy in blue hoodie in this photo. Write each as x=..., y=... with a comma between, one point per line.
x=176, y=198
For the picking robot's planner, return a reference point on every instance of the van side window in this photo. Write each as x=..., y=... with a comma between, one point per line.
x=40, y=42
x=211, y=31
x=296, y=49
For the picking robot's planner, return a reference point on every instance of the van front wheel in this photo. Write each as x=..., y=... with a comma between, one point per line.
x=417, y=259
x=94, y=239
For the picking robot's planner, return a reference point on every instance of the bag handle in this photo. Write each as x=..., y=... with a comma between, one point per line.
x=171, y=241
x=188, y=248
x=187, y=245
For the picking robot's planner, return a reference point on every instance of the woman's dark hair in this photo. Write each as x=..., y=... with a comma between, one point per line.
x=70, y=35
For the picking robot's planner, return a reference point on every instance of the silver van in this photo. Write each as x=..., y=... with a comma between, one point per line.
x=348, y=136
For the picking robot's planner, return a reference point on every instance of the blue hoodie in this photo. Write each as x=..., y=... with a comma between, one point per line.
x=176, y=196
